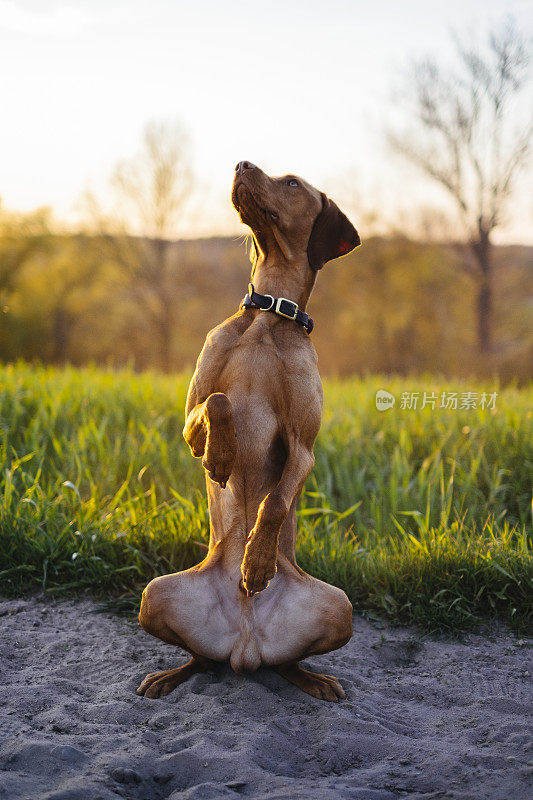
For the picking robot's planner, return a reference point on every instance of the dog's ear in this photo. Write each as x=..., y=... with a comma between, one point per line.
x=333, y=235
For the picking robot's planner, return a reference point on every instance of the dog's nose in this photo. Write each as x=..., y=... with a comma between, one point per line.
x=242, y=166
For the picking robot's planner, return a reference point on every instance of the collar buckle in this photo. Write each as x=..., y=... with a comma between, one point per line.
x=286, y=308
x=272, y=301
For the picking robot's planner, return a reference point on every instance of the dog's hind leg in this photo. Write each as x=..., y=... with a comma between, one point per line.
x=333, y=629
x=152, y=618
x=210, y=433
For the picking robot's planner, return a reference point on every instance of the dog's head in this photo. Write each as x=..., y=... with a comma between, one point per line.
x=291, y=214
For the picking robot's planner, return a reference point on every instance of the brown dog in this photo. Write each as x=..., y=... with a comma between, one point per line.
x=253, y=413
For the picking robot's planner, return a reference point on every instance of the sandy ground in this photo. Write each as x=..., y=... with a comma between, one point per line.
x=422, y=718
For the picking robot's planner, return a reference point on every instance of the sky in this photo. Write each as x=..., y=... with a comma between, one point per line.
x=300, y=87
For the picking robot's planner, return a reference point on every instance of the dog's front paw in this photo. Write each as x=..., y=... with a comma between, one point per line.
x=218, y=466
x=259, y=564
x=221, y=442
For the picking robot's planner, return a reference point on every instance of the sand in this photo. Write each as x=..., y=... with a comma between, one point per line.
x=422, y=718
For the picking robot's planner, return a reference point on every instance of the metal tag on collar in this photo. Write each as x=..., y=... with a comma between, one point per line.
x=281, y=303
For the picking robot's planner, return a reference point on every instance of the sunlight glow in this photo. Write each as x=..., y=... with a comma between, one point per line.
x=295, y=88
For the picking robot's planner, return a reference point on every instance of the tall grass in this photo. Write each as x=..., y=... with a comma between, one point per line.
x=420, y=516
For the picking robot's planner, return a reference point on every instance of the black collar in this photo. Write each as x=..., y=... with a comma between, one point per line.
x=278, y=305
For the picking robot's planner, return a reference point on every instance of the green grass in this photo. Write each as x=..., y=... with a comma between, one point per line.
x=420, y=516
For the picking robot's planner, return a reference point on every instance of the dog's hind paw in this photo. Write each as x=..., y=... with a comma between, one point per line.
x=158, y=684
x=323, y=687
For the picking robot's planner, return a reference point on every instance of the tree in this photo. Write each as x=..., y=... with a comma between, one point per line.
x=153, y=189
x=469, y=142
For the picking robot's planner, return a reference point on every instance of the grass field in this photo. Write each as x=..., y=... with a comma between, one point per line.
x=419, y=515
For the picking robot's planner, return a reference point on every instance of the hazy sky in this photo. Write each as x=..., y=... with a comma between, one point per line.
x=293, y=86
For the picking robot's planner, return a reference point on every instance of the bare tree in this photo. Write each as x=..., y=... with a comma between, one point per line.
x=153, y=189
x=469, y=142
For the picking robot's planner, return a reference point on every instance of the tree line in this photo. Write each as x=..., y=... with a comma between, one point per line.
x=395, y=306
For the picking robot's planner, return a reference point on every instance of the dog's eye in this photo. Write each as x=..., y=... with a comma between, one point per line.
x=292, y=182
